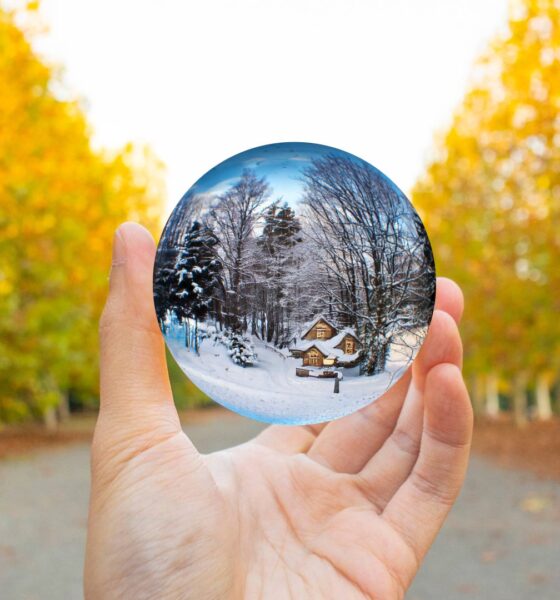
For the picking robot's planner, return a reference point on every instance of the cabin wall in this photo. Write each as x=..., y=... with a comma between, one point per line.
x=312, y=358
x=343, y=347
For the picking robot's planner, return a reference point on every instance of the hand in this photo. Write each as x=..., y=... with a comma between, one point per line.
x=337, y=511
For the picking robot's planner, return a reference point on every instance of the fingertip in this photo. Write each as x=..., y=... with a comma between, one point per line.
x=449, y=298
x=135, y=238
x=130, y=290
x=442, y=345
x=449, y=413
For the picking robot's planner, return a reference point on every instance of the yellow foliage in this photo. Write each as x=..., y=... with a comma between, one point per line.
x=60, y=202
x=491, y=197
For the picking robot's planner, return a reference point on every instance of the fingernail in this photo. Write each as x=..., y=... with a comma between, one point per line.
x=119, y=249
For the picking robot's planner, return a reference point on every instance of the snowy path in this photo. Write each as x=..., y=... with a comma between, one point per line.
x=270, y=390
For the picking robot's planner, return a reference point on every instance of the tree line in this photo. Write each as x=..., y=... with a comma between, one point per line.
x=491, y=197
x=60, y=202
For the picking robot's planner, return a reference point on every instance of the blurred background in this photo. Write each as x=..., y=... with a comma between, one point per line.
x=110, y=111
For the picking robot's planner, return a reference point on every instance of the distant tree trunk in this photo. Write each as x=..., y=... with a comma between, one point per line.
x=492, y=397
x=64, y=406
x=544, y=404
x=520, y=399
x=254, y=322
x=477, y=394
x=49, y=419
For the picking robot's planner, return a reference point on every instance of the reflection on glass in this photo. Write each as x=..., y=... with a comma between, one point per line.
x=294, y=283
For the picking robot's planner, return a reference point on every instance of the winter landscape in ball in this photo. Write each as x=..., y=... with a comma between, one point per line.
x=294, y=283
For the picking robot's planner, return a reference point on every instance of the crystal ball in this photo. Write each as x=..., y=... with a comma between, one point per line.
x=294, y=283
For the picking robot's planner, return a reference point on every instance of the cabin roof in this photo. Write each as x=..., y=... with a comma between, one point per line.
x=329, y=352
x=327, y=347
x=337, y=339
x=320, y=346
x=310, y=324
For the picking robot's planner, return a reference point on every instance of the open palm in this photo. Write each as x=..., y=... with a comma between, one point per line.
x=342, y=510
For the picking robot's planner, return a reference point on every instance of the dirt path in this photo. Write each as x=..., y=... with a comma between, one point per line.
x=502, y=541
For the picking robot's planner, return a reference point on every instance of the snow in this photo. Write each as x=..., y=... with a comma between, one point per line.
x=270, y=391
x=182, y=274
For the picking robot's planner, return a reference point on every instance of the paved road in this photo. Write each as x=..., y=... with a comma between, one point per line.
x=502, y=541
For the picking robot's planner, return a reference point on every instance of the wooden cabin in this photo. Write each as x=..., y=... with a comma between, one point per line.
x=321, y=344
x=349, y=344
x=313, y=357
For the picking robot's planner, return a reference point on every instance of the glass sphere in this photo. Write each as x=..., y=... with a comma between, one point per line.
x=294, y=283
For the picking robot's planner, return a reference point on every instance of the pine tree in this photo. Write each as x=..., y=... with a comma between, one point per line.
x=241, y=350
x=197, y=274
x=281, y=232
x=164, y=277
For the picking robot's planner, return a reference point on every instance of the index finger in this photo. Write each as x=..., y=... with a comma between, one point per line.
x=419, y=507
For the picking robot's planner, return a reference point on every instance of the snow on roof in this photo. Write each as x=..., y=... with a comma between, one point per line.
x=329, y=352
x=337, y=339
x=326, y=348
x=310, y=324
x=323, y=346
x=347, y=358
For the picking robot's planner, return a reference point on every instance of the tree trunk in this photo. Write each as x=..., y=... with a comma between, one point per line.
x=64, y=406
x=49, y=419
x=492, y=397
x=520, y=399
x=477, y=394
x=544, y=404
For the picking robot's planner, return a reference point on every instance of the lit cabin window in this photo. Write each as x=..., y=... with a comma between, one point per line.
x=321, y=332
x=349, y=346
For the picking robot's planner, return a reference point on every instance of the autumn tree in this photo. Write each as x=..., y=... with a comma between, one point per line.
x=60, y=201
x=491, y=196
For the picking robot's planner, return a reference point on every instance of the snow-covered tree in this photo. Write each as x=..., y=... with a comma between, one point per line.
x=164, y=281
x=241, y=350
x=274, y=304
x=377, y=260
x=234, y=218
x=197, y=276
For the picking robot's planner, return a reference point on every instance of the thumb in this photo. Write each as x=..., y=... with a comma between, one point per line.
x=136, y=396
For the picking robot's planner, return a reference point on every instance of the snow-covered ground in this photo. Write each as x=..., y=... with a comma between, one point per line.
x=270, y=390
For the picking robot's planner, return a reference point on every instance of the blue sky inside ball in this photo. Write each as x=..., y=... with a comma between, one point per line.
x=281, y=164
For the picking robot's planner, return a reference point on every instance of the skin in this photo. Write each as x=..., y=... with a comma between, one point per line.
x=346, y=509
